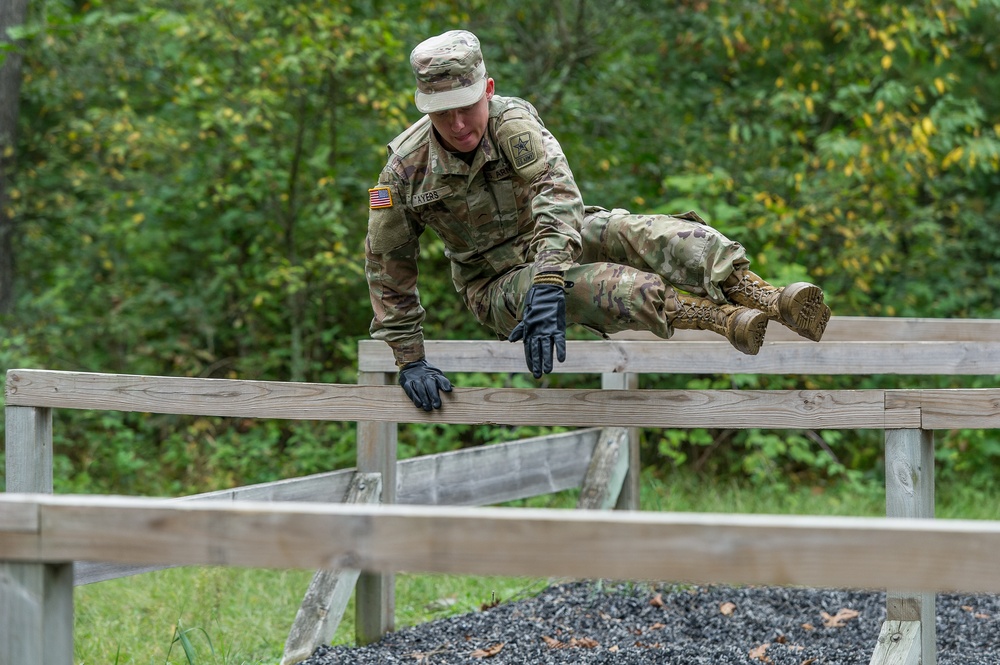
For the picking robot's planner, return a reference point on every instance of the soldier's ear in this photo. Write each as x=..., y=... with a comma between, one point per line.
x=489, y=89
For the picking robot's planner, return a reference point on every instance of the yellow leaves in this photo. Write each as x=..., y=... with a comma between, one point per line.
x=138, y=218
x=939, y=85
x=886, y=61
x=952, y=157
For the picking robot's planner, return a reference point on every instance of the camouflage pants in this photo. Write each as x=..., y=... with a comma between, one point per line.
x=629, y=267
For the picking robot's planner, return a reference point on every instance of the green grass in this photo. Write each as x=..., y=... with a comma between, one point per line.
x=232, y=616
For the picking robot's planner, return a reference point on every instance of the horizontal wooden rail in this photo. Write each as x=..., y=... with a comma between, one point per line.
x=517, y=470
x=843, y=552
x=583, y=408
x=865, y=329
x=709, y=357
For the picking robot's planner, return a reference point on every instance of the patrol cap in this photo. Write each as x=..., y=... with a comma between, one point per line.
x=450, y=71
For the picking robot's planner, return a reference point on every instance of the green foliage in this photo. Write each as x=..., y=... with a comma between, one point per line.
x=190, y=195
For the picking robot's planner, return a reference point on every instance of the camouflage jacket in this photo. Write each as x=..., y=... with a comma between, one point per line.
x=516, y=204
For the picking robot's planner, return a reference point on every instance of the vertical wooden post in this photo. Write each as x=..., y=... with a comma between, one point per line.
x=629, y=497
x=36, y=600
x=909, y=492
x=375, y=594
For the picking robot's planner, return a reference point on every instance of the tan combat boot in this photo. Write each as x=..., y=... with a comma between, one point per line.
x=798, y=306
x=743, y=327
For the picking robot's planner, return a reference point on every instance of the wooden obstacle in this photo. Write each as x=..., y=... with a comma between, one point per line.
x=907, y=416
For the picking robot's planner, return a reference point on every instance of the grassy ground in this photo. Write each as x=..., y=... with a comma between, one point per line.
x=235, y=616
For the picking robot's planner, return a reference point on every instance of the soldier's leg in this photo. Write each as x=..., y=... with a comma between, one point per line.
x=611, y=297
x=694, y=257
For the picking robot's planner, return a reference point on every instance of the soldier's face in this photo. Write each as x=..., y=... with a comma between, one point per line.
x=462, y=129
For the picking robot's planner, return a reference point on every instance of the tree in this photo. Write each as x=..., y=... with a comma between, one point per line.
x=12, y=15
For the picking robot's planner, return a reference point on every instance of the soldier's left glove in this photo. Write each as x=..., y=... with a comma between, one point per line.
x=543, y=326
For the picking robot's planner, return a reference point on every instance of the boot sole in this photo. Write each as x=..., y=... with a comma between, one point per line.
x=802, y=309
x=747, y=332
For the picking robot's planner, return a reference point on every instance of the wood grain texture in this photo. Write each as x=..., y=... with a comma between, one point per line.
x=899, y=644
x=973, y=408
x=606, y=472
x=707, y=357
x=839, y=552
x=774, y=409
x=329, y=590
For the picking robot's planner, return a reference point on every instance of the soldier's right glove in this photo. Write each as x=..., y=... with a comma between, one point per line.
x=543, y=326
x=421, y=381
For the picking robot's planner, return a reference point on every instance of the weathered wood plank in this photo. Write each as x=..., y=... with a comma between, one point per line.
x=973, y=408
x=518, y=469
x=629, y=498
x=898, y=644
x=709, y=357
x=330, y=590
x=867, y=329
x=839, y=552
x=909, y=493
x=774, y=409
x=36, y=613
x=608, y=466
x=28, y=449
x=375, y=602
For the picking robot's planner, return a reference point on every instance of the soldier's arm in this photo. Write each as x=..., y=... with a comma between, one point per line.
x=391, y=252
x=556, y=203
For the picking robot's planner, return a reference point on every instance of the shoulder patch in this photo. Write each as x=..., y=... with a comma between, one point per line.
x=388, y=227
x=379, y=197
x=520, y=138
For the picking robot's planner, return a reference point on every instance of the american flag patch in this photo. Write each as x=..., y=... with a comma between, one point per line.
x=379, y=197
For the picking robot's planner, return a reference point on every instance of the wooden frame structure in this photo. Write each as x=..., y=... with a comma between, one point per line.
x=38, y=591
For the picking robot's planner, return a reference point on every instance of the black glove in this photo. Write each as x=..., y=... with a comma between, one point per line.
x=421, y=381
x=543, y=324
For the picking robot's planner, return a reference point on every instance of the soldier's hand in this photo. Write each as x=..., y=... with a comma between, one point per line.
x=422, y=382
x=543, y=326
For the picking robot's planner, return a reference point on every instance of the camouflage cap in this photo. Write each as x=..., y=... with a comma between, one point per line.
x=450, y=71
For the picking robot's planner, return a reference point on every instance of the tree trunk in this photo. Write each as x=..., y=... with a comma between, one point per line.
x=12, y=13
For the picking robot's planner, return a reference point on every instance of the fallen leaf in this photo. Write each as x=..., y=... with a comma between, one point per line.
x=657, y=600
x=584, y=643
x=727, y=608
x=980, y=615
x=759, y=653
x=488, y=653
x=808, y=661
x=552, y=642
x=658, y=626
x=838, y=620
x=808, y=626
x=613, y=648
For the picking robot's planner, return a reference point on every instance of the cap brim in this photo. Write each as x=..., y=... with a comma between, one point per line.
x=450, y=99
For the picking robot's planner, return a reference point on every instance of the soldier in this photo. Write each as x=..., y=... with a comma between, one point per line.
x=527, y=255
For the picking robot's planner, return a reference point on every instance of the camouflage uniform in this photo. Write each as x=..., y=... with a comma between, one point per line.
x=515, y=211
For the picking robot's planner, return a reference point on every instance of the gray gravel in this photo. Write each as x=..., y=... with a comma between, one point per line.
x=589, y=622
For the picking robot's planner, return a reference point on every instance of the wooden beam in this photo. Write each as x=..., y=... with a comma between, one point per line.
x=950, y=408
x=772, y=409
x=518, y=469
x=837, y=552
x=330, y=590
x=375, y=601
x=865, y=329
x=898, y=644
x=711, y=357
x=909, y=494
x=631, y=492
x=606, y=474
